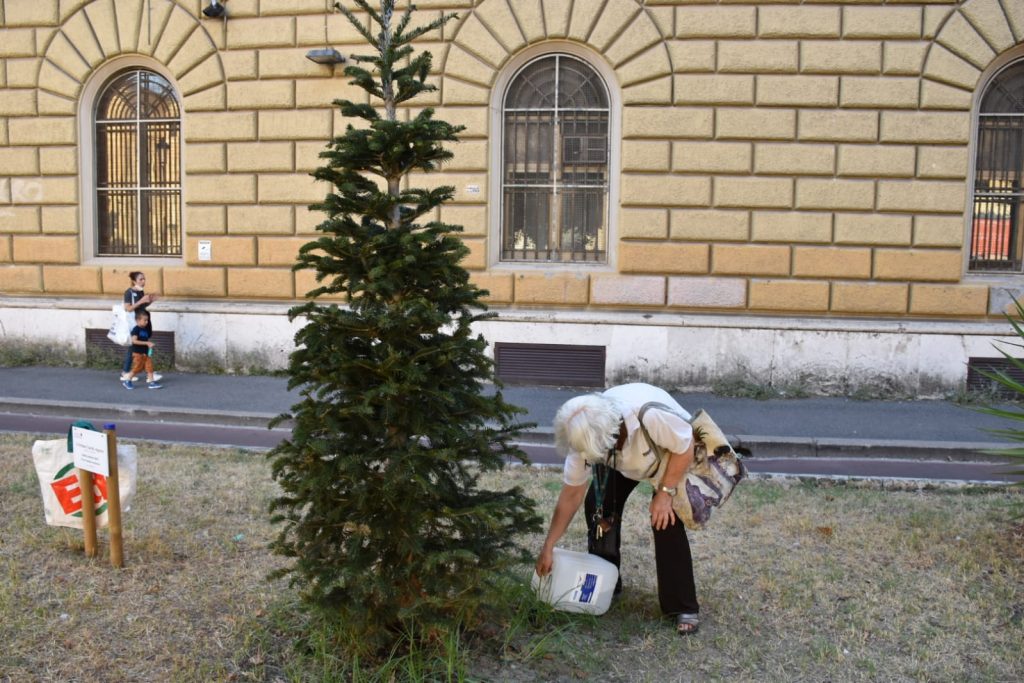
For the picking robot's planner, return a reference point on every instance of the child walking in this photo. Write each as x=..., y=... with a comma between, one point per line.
x=142, y=352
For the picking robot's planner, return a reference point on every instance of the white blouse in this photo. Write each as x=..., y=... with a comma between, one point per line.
x=636, y=461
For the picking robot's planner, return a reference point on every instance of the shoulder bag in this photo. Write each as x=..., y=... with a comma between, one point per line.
x=711, y=478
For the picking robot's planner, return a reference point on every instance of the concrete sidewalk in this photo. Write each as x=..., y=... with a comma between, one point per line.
x=809, y=427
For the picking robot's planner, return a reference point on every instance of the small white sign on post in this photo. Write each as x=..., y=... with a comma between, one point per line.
x=90, y=451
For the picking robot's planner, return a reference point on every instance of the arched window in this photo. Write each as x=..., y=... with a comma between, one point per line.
x=554, y=168
x=996, y=228
x=137, y=122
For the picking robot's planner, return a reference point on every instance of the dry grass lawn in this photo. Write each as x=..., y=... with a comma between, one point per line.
x=798, y=582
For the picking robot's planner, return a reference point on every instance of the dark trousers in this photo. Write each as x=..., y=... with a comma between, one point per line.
x=676, y=590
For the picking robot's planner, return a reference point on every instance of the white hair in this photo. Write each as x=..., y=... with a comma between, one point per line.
x=588, y=425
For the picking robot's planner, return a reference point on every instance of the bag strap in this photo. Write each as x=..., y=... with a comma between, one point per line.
x=658, y=450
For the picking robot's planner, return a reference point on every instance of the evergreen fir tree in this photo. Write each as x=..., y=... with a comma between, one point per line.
x=381, y=511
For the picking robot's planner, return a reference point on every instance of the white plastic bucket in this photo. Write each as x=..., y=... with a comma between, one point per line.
x=578, y=582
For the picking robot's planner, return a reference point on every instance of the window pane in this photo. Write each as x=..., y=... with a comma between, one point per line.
x=993, y=234
x=584, y=148
x=159, y=162
x=1005, y=95
x=116, y=152
x=119, y=98
x=116, y=213
x=579, y=86
x=583, y=224
x=528, y=147
x=161, y=233
x=526, y=221
x=534, y=86
x=157, y=99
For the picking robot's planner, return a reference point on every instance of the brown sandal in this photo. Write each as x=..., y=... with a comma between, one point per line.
x=687, y=624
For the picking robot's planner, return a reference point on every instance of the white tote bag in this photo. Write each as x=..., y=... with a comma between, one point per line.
x=120, y=331
x=62, y=492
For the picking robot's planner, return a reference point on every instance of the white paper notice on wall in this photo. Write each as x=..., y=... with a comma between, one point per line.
x=205, y=250
x=472, y=189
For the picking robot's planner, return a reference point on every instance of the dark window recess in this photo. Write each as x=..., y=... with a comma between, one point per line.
x=550, y=364
x=976, y=381
x=101, y=352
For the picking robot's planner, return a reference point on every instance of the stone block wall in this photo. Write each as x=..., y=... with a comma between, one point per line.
x=776, y=156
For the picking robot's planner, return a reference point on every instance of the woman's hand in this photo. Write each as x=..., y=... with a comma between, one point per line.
x=544, y=561
x=569, y=500
x=662, y=514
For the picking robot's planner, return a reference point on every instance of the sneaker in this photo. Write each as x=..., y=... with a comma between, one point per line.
x=127, y=384
x=157, y=377
x=154, y=385
x=125, y=376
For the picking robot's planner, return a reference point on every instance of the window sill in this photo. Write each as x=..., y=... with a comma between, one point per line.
x=549, y=266
x=134, y=261
x=995, y=278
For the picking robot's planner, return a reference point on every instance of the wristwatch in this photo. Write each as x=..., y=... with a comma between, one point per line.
x=670, y=490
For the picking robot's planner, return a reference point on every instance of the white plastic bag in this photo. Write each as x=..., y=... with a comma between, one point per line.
x=120, y=331
x=62, y=492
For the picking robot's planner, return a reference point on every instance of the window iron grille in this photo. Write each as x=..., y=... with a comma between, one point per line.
x=996, y=216
x=555, y=163
x=138, y=166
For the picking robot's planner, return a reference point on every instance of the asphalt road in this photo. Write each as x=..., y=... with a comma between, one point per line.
x=918, y=469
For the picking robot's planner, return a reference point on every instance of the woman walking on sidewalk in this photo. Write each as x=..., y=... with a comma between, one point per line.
x=135, y=300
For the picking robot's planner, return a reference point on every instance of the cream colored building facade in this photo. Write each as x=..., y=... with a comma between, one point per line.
x=789, y=189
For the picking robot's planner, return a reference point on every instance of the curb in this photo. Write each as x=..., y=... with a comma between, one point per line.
x=805, y=447
x=137, y=412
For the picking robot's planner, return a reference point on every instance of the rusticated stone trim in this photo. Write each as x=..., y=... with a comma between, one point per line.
x=100, y=30
x=625, y=32
x=967, y=41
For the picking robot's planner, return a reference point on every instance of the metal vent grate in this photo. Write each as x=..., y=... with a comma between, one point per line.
x=976, y=381
x=100, y=351
x=550, y=364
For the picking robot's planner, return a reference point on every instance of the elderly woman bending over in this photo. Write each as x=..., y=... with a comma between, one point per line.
x=606, y=456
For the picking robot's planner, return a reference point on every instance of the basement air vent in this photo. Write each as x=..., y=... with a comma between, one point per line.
x=550, y=364
x=101, y=352
x=976, y=381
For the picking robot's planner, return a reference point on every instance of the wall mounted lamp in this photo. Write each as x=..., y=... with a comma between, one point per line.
x=215, y=10
x=325, y=55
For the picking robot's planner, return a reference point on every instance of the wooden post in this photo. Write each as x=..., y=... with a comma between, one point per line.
x=114, y=500
x=85, y=483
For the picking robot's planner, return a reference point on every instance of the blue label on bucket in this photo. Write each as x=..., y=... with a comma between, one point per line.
x=588, y=588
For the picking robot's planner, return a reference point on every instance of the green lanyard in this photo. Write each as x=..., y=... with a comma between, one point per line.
x=600, y=487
